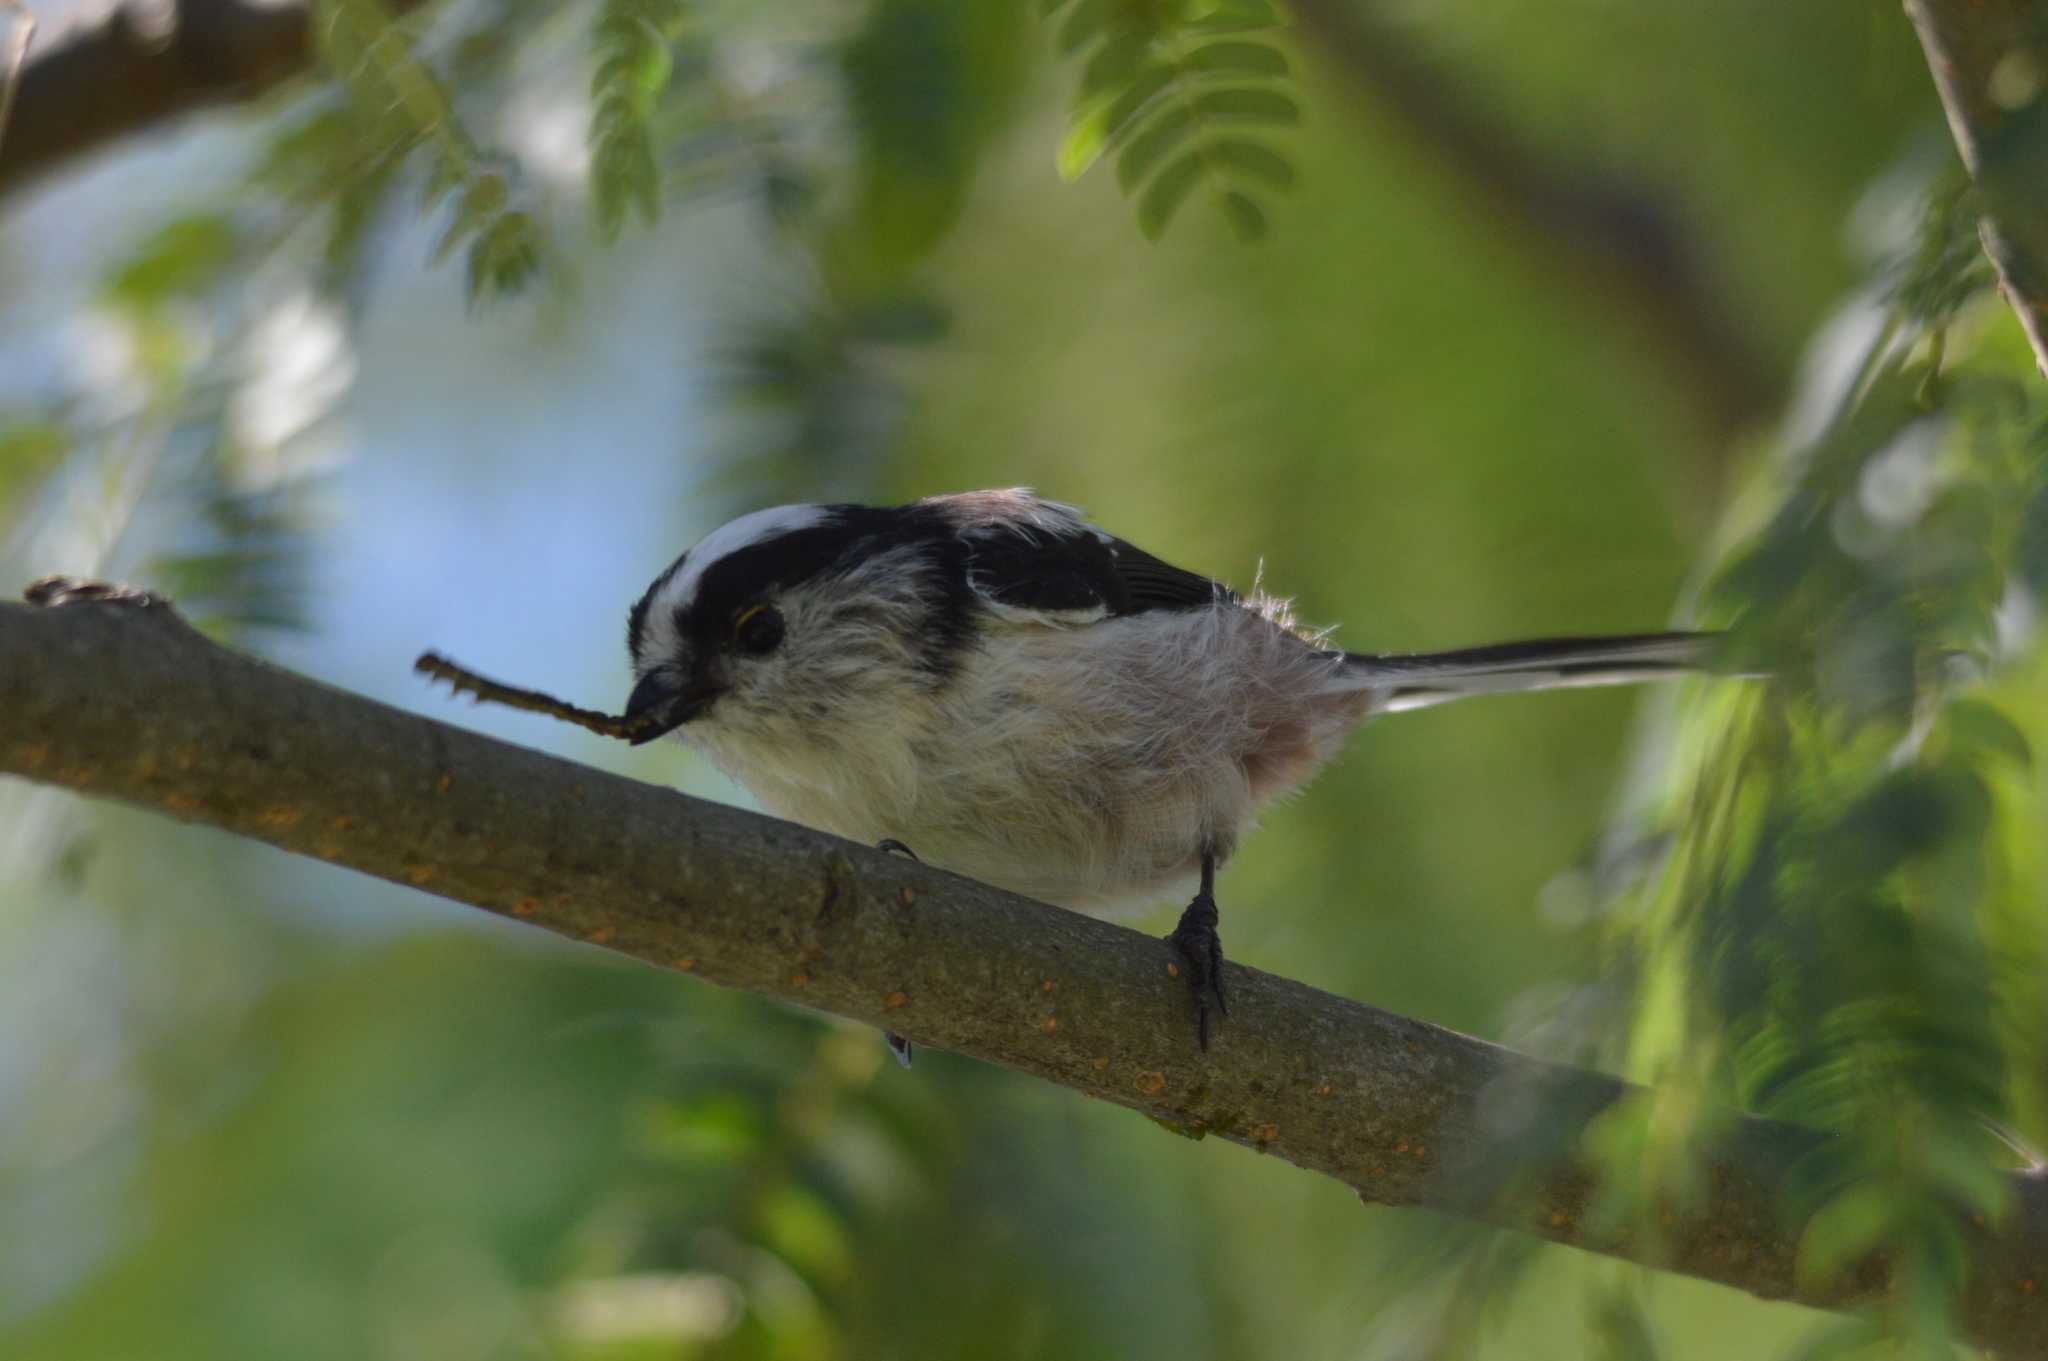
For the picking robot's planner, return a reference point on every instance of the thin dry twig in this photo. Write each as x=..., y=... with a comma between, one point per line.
x=485, y=690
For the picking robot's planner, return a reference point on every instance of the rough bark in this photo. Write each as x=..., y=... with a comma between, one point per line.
x=1989, y=59
x=123, y=700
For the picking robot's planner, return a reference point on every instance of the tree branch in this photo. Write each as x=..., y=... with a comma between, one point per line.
x=1989, y=59
x=122, y=68
x=1609, y=234
x=123, y=700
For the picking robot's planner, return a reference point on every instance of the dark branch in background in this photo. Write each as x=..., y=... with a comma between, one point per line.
x=1607, y=233
x=1989, y=59
x=119, y=698
x=125, y=68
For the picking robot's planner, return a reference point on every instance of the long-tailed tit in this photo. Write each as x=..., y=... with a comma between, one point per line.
x=1028, y=700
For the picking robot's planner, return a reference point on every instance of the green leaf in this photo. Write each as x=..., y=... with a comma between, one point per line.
x=446, y=175
x=1247, y=219
x=482, y=200
x=805, y=1230
x=1851, y=1225
x=1113, y=66
x=1099, y=128
x=180, y=259
x=1087, y=19
x=1618, y=1321
x=28, y=450
x=1978, y=726
x=1259, y=106
x=1144, y=91
x=1162, y=199
x=1254, y=160
x=505, y=256
x=624, y=177
x=636, y=61
x=1160, y=135
x=1245, y=58
x=1233, y=16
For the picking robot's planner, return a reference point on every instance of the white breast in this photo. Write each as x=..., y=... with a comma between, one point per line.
x=1087, y=766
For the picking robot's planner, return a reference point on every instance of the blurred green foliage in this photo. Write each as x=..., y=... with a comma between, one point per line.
x=230, y=1132
x=399, y=103
x=1171, y=88
x=1842, y=936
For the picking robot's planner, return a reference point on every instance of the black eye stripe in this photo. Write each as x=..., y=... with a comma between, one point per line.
x=745, y=575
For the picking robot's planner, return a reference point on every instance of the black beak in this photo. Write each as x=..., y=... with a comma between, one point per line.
x=661, y=702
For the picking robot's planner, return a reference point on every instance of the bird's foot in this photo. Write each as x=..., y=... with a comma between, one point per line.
x=1201, y=952
x=898, y=1046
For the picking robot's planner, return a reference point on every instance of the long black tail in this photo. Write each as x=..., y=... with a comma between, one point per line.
x=1417, y=680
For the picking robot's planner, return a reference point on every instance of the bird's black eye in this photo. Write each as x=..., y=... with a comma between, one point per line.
x=758, y=629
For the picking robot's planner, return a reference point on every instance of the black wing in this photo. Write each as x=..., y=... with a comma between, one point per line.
x=1079, y=571
x=1155, y=585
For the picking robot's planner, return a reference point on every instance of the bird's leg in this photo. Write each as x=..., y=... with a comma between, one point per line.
x=898, y=1046
x=1201, y=950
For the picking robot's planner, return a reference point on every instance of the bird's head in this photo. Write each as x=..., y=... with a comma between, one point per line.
x=785, y=621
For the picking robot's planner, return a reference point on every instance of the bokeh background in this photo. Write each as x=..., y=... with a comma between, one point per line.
x=252, y=1106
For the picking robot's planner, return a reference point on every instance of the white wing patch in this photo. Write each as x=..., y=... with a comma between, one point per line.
x=1019, y=614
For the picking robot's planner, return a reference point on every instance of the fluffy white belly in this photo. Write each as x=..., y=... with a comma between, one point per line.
x=1086, y=766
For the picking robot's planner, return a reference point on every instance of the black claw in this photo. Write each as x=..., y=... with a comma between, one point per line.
x=1201, y=950
x=898, y=1046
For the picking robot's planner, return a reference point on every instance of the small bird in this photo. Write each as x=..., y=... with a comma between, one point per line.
x=1023, y=698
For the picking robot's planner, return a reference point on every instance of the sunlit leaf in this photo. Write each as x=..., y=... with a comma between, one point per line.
x=1096, y=130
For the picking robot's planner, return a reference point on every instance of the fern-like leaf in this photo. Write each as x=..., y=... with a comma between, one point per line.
x=633, y=44
x=396, y=95
x=1171, y=90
